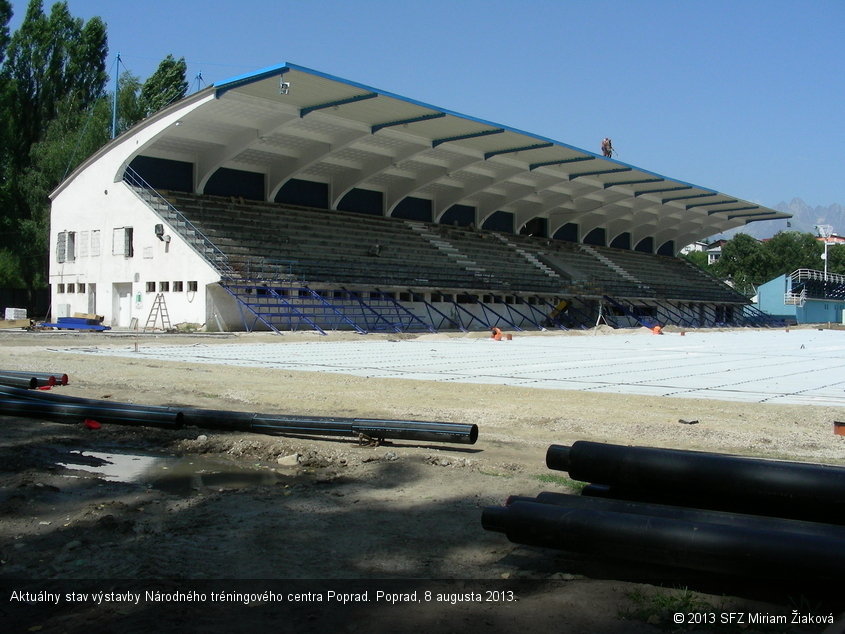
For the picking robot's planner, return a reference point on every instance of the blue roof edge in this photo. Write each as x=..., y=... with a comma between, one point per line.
x=281, y=69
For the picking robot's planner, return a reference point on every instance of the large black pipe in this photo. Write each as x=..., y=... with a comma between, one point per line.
x=23, y=382
x=741, y=551
x=684, y=514
x=109, y=413
x=278, y=423
x=332, y=426
x=50, y=378
x=708, y=480
x=54, y=397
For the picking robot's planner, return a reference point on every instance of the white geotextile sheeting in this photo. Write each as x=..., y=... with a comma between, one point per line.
x=800, y=366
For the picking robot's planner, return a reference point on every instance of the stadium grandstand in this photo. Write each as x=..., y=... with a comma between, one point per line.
x=288, y=198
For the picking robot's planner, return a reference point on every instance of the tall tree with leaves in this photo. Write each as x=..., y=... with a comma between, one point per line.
x=788, y=251
x=165, y=86
x=743, y=261
x=5, y=16
x=52, y=63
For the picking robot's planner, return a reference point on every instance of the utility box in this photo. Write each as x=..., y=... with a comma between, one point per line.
x=15, y=313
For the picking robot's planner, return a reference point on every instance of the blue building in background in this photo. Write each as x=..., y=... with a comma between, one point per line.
x=804, y=297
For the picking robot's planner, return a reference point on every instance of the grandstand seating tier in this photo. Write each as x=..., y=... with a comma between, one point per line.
x=265, y=240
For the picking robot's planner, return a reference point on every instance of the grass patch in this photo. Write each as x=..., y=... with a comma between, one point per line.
x=659, y=608
x=564, y=481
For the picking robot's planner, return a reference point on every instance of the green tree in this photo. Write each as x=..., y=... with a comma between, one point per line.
x=5, y=16
x=743, y=261
x=165, y=86
x=836, y=259
x=52, y=64
x=129, y=108
x=699, y=258
x=788, y=251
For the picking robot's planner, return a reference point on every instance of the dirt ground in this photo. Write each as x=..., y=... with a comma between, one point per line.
x=292, y=510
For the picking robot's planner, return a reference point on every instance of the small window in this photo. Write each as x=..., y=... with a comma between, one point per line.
x=177, y=287
x=163, y=287
x=192, y=286
x=122, y=242
x=71, y=288
x=80, y=288
x=60, y=288
x=151, y=287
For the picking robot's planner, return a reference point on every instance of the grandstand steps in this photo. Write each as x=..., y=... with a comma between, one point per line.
x=607, y=261
x=530, y=257
x=445, y=247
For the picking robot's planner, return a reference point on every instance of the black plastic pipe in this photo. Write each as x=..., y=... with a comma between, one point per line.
x=51, y=378
x=708, y=480
x=109, y=413
x=23, y=382
x=741, y=551
x=275, y=423
x=685, y=514
x=54, y=397
x=330, y=426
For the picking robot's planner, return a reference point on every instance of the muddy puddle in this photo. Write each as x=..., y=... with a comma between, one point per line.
x=172, y=474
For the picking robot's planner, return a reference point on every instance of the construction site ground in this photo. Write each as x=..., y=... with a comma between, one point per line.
x=172, y=507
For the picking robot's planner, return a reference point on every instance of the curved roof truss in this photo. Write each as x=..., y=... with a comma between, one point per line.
x=289, y=122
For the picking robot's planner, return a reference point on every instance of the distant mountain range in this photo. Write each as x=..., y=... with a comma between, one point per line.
x=804, y=218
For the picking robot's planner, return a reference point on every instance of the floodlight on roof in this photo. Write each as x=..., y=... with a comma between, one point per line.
x=284, y=87
x=824, y=231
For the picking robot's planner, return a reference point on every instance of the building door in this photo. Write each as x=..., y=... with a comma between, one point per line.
x=122, y=305
x=92, y=299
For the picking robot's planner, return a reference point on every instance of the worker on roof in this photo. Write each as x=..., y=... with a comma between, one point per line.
x=607, y=147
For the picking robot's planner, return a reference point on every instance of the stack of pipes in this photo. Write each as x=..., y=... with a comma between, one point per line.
x=32, y=380
x=18, y=398
x=688, y=510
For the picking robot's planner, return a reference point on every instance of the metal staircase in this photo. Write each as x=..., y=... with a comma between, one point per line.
x=195, y=238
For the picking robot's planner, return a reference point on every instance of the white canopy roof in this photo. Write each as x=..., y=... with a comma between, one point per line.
x=289, y=122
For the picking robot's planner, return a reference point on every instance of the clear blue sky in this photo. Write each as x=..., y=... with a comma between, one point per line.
x=743, y=96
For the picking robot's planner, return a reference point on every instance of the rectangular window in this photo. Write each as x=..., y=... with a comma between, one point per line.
x=84, y=240
x=70, y=255
x=177, y=287
x=192, y=286
x=60, y=288
x=80, y=288
x=61, y=250
x=151, y=287
x=122, y=242
x=71, y=288
x=95, y=243
x=163, y=287
x=65, y=246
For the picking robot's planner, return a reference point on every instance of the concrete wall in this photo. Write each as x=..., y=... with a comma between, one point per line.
x=770, y=298
x=820, y=312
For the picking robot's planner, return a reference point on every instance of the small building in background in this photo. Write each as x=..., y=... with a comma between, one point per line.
x=805, y=297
